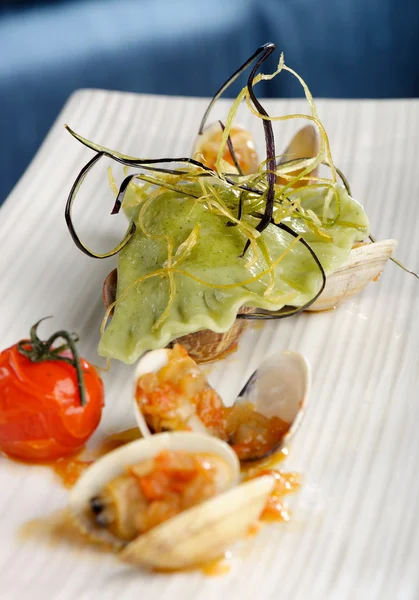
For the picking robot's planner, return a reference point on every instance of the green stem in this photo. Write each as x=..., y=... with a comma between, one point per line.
x=38, y=351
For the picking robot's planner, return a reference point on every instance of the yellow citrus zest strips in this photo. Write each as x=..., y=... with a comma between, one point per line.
x=171, y=270
x=185, y=248
x=172, y=286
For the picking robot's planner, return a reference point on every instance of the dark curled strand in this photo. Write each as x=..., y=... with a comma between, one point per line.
x=244, y=188
x=281, y=314
x=124, y=188
x=232, y=151
x=166, y=171
x=68, y=218
x=239, y=212
x=348, y=189
x=397, y=262
x=134, y=162
x=270, y=146
x=121, y=194
x=147, y=163
x=229, y=81
x=269, y=140
x=341, y=175
x=122, y=191
x=325, y=163
x=208, y=173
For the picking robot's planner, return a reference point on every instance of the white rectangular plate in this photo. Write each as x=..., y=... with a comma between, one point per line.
x=355, y=532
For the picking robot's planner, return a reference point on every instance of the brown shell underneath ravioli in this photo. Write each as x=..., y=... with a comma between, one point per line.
x=206, y=345
x=202, y=346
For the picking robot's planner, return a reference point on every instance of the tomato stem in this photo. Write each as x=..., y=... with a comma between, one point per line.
x=39, y=351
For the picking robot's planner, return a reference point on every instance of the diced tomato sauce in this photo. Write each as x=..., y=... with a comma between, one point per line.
x=69, y=470
x=174, y=481
x=210, y=410
x=180, y=388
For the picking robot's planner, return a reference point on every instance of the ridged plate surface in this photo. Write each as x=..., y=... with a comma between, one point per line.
x=355, y=532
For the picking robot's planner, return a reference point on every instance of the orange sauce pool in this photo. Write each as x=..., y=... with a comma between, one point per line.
x=69, y=469
x=275, y=508
x=285, y=483
x=217, y=567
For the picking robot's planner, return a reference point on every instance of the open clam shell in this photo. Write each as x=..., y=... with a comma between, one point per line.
x=304, y=144
x=152, y=362
x=279, y=388
x=198, y=534
x=365, y=264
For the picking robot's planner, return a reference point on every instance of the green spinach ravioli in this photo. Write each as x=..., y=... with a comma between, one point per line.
x=183, y=270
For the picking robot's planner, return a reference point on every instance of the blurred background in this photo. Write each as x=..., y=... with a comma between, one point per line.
x=48, y=49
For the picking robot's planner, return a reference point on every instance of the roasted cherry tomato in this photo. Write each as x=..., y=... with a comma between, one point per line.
x=50, y=399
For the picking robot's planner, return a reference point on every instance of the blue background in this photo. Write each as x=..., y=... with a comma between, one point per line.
x=342, y=48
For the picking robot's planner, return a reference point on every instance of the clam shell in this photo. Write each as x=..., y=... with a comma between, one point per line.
x=112, y=465
x=243, y=145
x=109, y=288
x=279, y=387
x=204, y=532
x=151, y=362
x=206, y=345
x=365, y=264
x=305, y=144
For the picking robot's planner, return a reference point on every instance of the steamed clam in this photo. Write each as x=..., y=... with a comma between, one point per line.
x=244, y=148
x=168, y=501
x=170, y=392
x=304, y=144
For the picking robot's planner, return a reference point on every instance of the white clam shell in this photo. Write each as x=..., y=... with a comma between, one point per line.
x=151, y=362
x=365, y=263
x=304, y=144
x=204, y=532
x=95, y=478
x=279, y=387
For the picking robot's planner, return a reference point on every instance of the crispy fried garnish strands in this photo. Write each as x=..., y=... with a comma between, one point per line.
x=252, y=202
